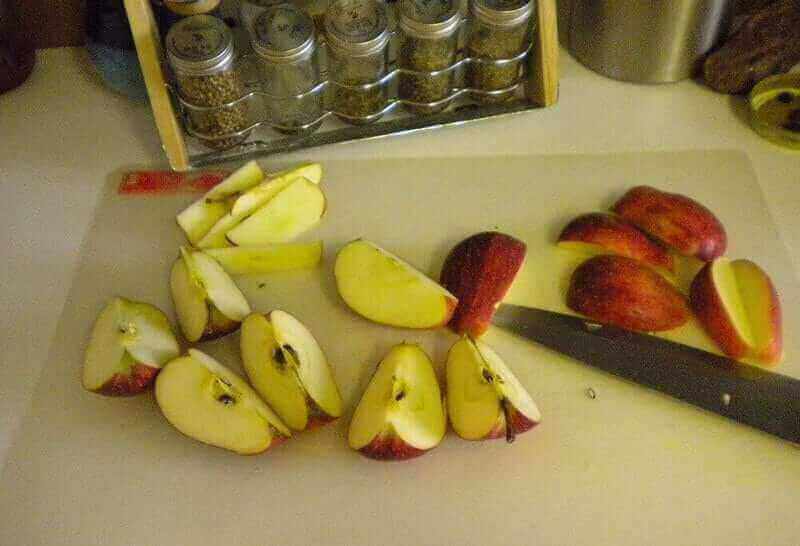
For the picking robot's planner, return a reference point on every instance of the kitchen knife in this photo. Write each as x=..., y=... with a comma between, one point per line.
x=749, y=395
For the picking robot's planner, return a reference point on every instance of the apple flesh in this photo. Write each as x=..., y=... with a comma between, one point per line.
x=287, y=367
x=267, y=259
x=199, y=217
x=601, y=233
x=401, y=414
x=623, y=292
x=129, y=344
x=485, y=400
x=739, y=308
x=249, y=202
x=675, y=220
x=385, y=289
x=479, y=271
x=292, y=212
x=207, y=301
x=210, y=403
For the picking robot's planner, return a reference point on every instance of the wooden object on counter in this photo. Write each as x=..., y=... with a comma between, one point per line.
x=150, y=51
x=543, y=85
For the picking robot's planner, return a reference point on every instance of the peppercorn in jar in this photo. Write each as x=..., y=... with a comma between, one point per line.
x=201, y=53
x=500, y=29
x=428, y=43
x=288, y=59
x=358, y=58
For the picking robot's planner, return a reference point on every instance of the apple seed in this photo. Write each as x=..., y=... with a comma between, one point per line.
x=226, y=400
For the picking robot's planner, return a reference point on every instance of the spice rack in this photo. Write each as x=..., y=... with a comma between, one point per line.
x=536, y=86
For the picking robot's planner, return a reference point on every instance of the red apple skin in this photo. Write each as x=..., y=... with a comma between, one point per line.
x=519, y=424
x=387, y=446
x=138, y=381
x=622, y=292
x=319, y=421
x=218, y=325
x=708, y=307
x=618, y=237
x=479, y=271
x=676, y=220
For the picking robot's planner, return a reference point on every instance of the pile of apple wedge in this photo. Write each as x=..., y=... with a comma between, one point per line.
x=247, y=225
x=632, y=279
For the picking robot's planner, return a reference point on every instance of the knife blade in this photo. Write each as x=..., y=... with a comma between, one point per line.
x=753, y=396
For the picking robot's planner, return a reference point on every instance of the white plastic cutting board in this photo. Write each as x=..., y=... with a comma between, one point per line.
x=628, y=467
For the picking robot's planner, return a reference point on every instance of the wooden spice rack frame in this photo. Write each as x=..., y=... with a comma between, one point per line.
x=538, y=87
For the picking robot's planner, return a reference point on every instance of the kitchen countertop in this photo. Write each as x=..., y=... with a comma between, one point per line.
x=63, y=136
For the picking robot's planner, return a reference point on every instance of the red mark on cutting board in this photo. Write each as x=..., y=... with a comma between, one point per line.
x=167, y=182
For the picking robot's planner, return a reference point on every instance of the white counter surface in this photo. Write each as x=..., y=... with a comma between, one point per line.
x=63, y=136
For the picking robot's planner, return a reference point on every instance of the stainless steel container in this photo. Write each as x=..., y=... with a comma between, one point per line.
x=648, y=41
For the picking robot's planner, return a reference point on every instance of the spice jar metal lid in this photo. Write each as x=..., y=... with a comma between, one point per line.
x=359, y=27
x=502, y=12
x=283, y=33
x=200, y=45
x=430, y=18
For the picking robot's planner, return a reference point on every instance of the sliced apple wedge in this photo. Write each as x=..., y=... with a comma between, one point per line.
x=241, y=260
x=484, y=398
x=401, y=414
x=738, y=306
x=207, y=301
x=287, y=367
x=249, y=201
x=130, y=342
x=210, y=403
x=383, y=288
x=295, y=210
x=243, y=178
x=199, y=217
x=479, y=271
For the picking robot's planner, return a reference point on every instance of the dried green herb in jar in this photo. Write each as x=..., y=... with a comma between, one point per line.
x=499, y=30
x=200, y=51
x=213, y=91
x=358, y=54
x=428, y=43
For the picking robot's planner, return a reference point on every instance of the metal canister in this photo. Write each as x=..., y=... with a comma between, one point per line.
x=358, y=58
x=428, y=44
x=285, y=42
x=201, y=52
x=500, y=30
x=647, y=42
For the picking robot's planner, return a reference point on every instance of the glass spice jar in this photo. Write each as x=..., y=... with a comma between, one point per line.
x=428, y=43
x=500, y=29
x=200, y=51
x=358, y=54
x=249, y=10
x=288, y=59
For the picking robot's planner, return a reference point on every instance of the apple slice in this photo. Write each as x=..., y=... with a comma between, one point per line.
x=247, y=203
x=401, y=414
x=130, y=342
x=210, y=403
x=295, y=210
x=738, y=306
x=207, y=301
x=241, y=260
x=676, y=220
x=287, y=367
x=479, y=271
x=623, y=292
x=383, y=288
x=484, y=398
x=199, y=217
x=600, y=233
